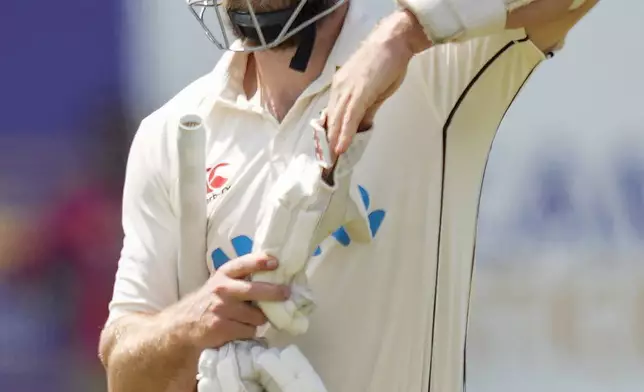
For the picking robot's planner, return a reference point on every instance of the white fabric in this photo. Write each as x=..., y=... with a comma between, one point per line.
x=372, y=326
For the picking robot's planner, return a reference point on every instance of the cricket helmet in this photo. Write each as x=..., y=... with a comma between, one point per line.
x=263, y=30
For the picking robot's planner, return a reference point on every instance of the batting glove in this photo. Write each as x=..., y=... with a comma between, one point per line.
x=302, y=210
x=230, y=368
x=249, y=366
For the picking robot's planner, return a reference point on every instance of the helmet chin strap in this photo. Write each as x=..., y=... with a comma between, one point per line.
x=300, y=60
x=272, y=23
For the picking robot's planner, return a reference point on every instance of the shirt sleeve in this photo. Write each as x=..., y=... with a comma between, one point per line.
x=450, y=71
x=146, y=279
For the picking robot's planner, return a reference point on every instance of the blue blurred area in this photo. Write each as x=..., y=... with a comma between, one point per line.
x=630, y=182
x=59, y=59
x=561, y=199
x=61, y=71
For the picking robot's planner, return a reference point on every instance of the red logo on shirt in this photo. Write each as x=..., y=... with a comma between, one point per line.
x=215, y=180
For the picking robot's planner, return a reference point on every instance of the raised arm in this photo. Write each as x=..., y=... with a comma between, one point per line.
x=550, y=34
x=377, y=69
x=505, y=60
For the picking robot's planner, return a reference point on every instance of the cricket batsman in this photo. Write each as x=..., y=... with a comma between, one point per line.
x=303, y=218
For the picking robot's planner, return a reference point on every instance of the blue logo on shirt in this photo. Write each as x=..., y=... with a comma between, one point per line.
x=243, y=245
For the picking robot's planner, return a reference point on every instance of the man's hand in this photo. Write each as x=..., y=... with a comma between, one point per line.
x=159, y=352
x=222, y=311
x=371, y=76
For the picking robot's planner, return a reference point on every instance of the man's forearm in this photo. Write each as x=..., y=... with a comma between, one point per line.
x=144, y=353
x=547, y=37
x=537, y=13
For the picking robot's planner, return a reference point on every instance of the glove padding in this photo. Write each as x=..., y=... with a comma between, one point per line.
x=249, y=366
x=301, y=211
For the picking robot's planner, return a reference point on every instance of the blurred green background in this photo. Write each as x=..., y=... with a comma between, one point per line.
x=558, y=303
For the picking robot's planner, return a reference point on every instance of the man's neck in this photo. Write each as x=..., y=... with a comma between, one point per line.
x=268, y=72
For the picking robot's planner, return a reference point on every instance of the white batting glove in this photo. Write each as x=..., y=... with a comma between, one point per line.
x=300, y=212
x=288, y=371
x=230, y=368
x=248, y=366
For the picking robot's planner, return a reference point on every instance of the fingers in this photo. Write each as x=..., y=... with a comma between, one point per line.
x=247, y=265
x=246, y=314
x=353, y=117
x=335, y=121
x=253, y=291
x=347, y=116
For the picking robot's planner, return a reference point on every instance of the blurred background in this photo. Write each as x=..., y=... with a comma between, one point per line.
x=558, y=303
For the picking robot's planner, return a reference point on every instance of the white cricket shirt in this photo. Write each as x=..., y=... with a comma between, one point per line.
x=392, y=314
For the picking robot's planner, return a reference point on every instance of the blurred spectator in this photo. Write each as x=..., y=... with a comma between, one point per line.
x=73, y=251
